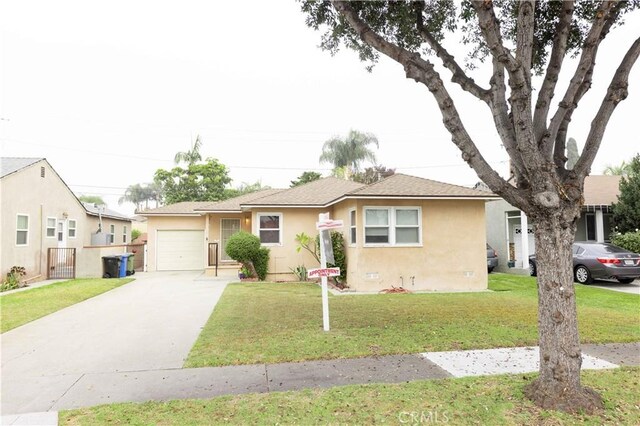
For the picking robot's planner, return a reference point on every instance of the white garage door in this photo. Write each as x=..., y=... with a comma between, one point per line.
x=180, y=250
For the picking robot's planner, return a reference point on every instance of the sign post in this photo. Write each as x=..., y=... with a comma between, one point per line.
x=325, y=224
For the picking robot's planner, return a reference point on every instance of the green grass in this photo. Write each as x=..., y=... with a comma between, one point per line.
x=268, y=323
x=494, y=400
x=25, y=306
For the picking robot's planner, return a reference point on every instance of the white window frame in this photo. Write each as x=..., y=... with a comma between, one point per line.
x=124, y=234
x=53, y=228
x=26, y=231
x=112, y=234
x=353, y=227
x=391, y=226
x=73, y=228
x=280, y=227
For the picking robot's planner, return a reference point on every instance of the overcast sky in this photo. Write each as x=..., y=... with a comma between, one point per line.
x=108, y=92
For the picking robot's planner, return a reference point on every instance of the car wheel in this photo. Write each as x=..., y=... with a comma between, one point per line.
x=625, y=280
x=532, y=269
x=583, y=275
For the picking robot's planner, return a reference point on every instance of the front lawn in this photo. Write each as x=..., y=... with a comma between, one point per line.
x=494, y=400
x=269, y=323
x=25, y=306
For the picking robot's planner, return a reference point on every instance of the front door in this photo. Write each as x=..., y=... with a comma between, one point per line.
x=228, y=227
x=61, y=233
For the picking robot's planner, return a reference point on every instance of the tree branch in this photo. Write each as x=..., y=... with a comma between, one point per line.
x=617, y=92
x=558, y=51
x=587, y=59
x=423, y=71
x=458, y=75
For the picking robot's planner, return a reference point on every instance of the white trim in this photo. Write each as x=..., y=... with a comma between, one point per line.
x=112, y=233
x=124, y=234
x=54, y=227
x=391, y=226
x=22, y=230
x=69, y=228
x=280, y=227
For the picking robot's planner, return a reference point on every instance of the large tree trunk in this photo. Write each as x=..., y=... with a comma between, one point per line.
x=558, y=386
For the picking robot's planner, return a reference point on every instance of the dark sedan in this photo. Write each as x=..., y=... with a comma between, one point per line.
x=492, y=258
x=593, y=260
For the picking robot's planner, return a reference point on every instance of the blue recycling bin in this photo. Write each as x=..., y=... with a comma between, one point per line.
x=122, y=272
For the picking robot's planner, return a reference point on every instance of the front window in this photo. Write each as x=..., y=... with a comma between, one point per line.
x=270, y=228
x=51, y=227
x=376, y=228
x=124, y=234
x=72, y=228
x=112, y=234
x=392, y=226
x=22, y=230
x=352, y=226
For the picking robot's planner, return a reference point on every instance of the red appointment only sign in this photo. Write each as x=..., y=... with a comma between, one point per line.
x=323, y=272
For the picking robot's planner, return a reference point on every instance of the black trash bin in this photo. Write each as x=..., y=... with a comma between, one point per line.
x=110, y=266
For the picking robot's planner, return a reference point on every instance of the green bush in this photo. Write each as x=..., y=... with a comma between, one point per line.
x=261, y=263
x=629, y=241
x=245, y=248
x=12, y=281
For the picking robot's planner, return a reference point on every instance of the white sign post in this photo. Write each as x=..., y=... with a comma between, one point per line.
x=324, y=224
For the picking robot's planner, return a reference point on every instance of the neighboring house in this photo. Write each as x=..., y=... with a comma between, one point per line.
x=39, y=212
x=506, y=224
x=401, y=231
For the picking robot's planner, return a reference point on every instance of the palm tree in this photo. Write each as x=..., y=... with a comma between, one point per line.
x=348, y=153
x=192, y=156
x=622, y=170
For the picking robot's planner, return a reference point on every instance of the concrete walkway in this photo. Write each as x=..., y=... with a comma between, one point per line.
x=167, y=384
x=149, y=324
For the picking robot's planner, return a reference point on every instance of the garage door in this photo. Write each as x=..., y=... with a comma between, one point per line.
x=180, y=250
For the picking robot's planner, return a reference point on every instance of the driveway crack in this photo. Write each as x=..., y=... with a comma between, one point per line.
x=266, y=375
x=65, y=392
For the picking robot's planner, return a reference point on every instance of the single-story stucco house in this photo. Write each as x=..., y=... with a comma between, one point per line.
x=505, y=223
x=40, y=212
x=401, y=231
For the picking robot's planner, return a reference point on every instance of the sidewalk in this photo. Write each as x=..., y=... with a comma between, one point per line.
x=167, y=384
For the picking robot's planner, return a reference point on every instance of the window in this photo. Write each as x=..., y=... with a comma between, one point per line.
x=124, y=234
x=112, y=234
x=376, y=228
x=51, y=227
x=22, y=230
x=392, y=226
x=352, y=226
x=72, y=228
x=60, y=231
x=270, y=228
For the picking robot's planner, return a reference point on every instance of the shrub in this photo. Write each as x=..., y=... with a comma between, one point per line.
x=629, y=241
x=135, y=233
x=12, y=281
x=245, y=248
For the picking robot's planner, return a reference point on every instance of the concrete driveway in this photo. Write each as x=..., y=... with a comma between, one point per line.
x=633, y=288
x=148, y=324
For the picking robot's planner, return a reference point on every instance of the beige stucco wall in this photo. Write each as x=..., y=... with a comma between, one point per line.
x=452, y=256
x=119, y=228
x=284, y=257
x=172, y=223
x=26, y=192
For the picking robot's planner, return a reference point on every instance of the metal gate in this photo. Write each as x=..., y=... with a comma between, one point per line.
x=61, y=263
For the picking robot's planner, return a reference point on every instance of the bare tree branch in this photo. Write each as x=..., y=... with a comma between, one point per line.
x=617, y=92
x=423, y=71
x=458, y=75
x=558, y=51
x=587, y=58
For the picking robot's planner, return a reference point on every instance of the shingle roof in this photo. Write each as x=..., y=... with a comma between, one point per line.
x=400, y=185
x=601, y=190
x=9, y=165
x=317, y=193
x=234, y=204
x=185, y=207
x=94, y=210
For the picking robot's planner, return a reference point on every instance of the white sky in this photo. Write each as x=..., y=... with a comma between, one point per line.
x=108, y=92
